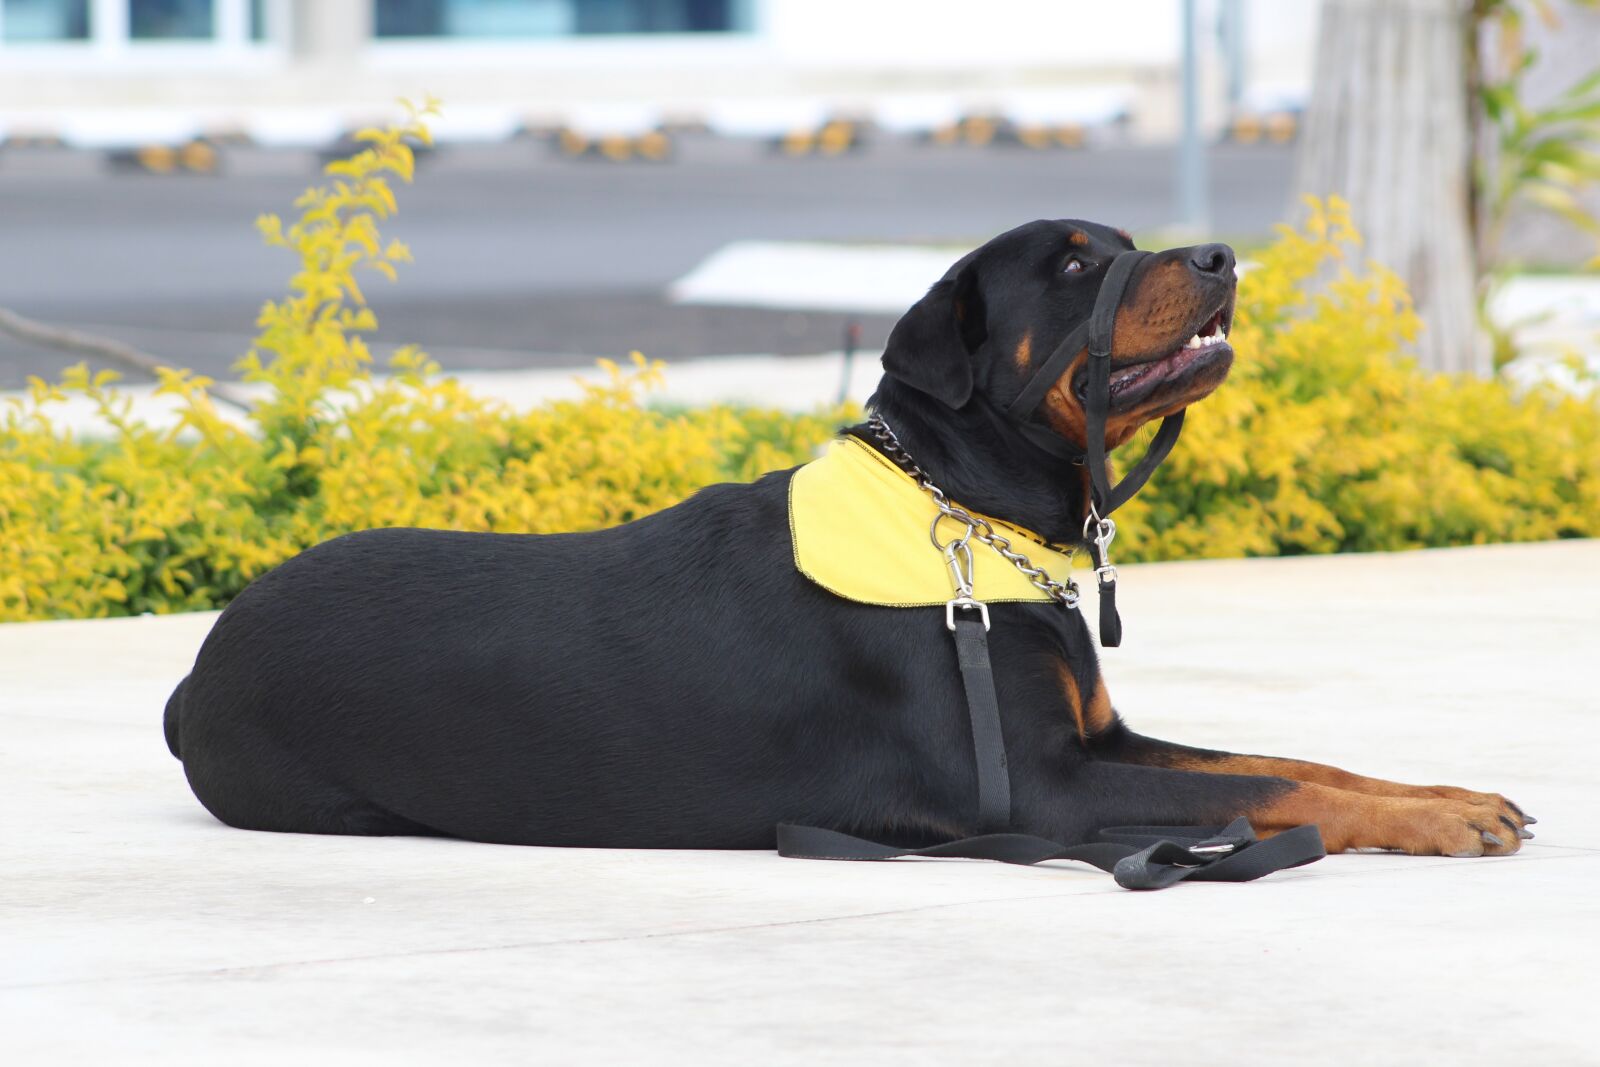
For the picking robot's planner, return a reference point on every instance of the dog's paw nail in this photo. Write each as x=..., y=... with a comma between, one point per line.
x=1525, y=834
x=1529, y=819
x=1491, y=839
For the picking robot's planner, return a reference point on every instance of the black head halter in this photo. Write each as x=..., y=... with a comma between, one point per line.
x=1097, y=335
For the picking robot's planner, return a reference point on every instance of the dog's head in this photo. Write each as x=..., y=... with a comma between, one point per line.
x=1000, y=312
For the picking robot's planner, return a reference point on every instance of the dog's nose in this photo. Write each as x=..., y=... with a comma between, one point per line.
x=1212, y=259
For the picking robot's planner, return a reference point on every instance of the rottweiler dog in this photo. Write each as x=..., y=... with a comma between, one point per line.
x=675, y=682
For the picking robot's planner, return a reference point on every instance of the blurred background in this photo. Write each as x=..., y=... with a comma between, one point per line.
x=693, y=178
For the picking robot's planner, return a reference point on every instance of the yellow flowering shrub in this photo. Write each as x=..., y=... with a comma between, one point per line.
x=1325, y=439
x=181, y=518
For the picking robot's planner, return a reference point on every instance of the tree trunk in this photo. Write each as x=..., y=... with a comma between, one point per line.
x=1387, y=130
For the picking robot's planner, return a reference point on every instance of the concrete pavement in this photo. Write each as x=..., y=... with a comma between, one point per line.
x=137, y=930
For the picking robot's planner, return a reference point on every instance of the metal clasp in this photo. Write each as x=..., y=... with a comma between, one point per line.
x=1105, y=531
x=958, y=557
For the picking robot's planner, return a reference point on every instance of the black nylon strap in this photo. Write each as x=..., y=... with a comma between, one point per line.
x=1046, y=439
x=1049, y=372
x=1109, y=498
x=1137, y=857
x=983, y=709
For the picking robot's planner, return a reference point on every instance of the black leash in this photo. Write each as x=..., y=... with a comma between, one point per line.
x=1137, y=857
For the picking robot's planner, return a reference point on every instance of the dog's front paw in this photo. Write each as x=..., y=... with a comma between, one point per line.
x=1518, y=819
x=1444, y=827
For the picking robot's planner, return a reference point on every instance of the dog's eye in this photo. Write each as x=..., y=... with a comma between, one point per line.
x=1073, y=266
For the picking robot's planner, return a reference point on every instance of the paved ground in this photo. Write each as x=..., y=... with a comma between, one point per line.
x=528, y=260
x=137, y=930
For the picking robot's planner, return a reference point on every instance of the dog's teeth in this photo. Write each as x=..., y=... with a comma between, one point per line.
x=1194, y=342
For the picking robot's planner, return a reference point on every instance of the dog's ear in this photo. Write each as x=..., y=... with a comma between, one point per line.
x=930, y=348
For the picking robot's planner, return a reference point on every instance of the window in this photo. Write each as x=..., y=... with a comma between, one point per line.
x=44, y=20
x=145, y=32
x=553, y=18
x=167, y=20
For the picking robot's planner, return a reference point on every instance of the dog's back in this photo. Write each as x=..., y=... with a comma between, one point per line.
x=563, y=689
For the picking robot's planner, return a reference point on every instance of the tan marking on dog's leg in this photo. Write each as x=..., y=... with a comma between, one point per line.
x=1422, y=827
x=1321, y=774
x=1098, y=714
x=1069, y=690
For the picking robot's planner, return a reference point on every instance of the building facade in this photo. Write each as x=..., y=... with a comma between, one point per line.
x=104, y=70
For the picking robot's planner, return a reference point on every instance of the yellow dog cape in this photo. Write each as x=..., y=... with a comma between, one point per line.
x=860, y=530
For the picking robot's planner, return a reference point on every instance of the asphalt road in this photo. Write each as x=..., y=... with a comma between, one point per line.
x=528, y=260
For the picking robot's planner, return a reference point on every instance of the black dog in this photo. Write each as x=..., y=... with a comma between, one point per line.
x=676, y=682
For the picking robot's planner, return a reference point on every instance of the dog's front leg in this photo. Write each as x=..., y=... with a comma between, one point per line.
x=1125, y=746
x=1112, y=794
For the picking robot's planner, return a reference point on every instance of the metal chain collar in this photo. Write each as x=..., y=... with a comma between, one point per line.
x=958, y=552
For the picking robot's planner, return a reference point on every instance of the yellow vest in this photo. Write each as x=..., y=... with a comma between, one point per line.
x=860, y=530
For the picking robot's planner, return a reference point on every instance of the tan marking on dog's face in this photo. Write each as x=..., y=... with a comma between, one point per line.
x=1024, y=354
x=1065, y=415
x=1155, y=310
x=1079, y=239
x=1062, y=410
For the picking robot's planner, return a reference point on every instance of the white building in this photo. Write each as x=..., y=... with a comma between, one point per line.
x=110, y=72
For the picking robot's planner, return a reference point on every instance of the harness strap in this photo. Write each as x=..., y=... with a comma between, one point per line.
x=983, y=708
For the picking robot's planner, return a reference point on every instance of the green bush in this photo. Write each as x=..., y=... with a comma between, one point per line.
x=1325, y=439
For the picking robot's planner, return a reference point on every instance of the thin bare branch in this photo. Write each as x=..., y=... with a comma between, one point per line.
x=84, y=344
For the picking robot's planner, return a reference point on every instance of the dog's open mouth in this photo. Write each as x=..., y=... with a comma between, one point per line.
x=1207, y=348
